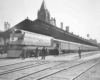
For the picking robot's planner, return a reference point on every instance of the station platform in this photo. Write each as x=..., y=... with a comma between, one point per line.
x=62, y=57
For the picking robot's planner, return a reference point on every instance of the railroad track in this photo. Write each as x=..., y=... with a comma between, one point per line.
x=40, y=71
x=85, y=71
x=32, y=76
x=72, y=78
x=19, y=63
x=24, y=67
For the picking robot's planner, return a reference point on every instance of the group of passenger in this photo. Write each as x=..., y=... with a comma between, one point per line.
x=36, y=53
x=43, y=53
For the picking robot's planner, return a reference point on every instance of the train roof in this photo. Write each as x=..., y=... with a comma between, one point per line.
x=41, y=27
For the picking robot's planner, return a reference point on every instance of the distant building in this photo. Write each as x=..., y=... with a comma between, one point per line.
x=1, y=38
x=62, y=25
x=45, y=25
x=67, y=28
x=94, y=41
x=44, y=15
x=99, y=46
x=6, y=26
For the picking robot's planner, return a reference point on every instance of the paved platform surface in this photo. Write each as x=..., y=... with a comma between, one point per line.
x=70, y=60
x=7, y=61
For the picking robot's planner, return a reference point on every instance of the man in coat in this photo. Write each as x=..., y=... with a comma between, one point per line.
x=79, y=51
x=43, y=53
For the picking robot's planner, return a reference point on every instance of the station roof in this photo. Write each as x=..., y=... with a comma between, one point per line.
x=41, y=27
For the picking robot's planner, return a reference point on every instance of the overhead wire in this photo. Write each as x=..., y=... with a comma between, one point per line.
x=4, y=11
x=20, y=13
x=24, y=8
x=29, y=7
x=2, y=18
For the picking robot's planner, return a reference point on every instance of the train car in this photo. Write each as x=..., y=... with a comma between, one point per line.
x=71, y=47
x=21, y=38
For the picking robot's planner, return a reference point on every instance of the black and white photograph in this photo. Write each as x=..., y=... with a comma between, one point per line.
x=49, y=39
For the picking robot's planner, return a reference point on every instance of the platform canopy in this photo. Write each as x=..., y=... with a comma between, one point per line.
x=41, y=27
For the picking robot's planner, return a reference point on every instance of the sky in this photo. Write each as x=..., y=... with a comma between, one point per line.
x=82, y=16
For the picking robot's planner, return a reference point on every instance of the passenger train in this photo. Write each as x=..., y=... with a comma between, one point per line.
x=29, y=40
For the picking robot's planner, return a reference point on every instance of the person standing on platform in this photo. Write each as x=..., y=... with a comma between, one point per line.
x=57, y=51
x=23, y=54
x=36, y=52
x=79, y=51
x=43, y=53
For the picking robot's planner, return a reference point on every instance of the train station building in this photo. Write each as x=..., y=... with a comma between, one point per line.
x=45, y=25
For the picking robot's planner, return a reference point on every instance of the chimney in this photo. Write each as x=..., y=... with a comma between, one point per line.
x=51, y=21
x=61, y=25
x=5, y=26
x=67, y=28
x=54, y=21
x=8, y=25
x=27, y=18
